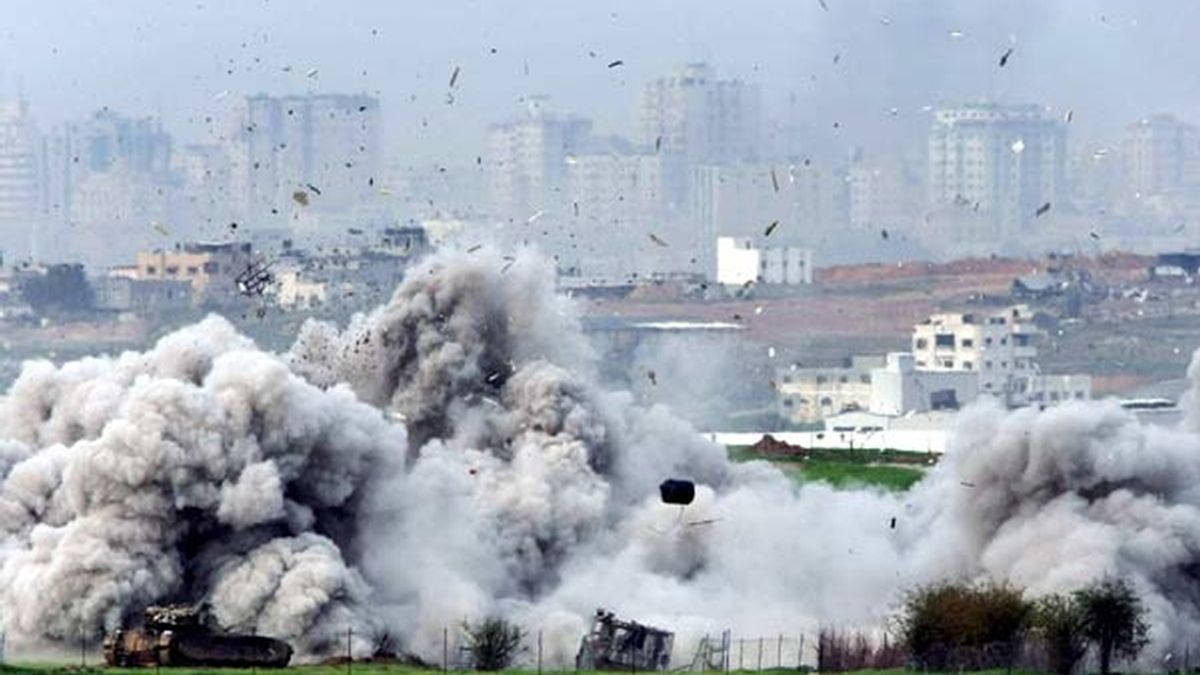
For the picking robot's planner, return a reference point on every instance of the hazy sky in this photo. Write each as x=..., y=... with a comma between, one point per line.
x=1111, y=62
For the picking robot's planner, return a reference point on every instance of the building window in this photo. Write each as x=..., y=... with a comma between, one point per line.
x=172, y=270
x=843, y=379
x=151, y=269
x=967, y=343
x=787, y=403
x=211, y=267
x=1003, y=365
x=948, y=363
x=1003, y=340
x=922, y=343
x=826, y=401
x=944, y=341
x=987, y=342
x=821, y=379
x=967, y=365
x=193, y=271
x=987, y=365
x=787, y=379
x=865, y=379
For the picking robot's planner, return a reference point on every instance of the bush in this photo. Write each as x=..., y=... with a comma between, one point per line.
x=493, y=643
x=954, y=626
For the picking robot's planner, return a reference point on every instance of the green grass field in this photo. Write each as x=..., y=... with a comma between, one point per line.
x=849, y=469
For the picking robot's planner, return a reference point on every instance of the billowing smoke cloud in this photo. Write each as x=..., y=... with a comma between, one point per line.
x=450, y=455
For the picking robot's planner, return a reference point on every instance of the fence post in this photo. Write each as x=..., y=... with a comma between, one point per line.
x=779, y=652
x=349, y=653
x=445, y=649
x=741, y=652
x=539, y=652
x=800, y=653
x=760, y=648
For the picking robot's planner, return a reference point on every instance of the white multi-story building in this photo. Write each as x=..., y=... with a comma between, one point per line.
x=693, y=118
x=526, y=162
x=1003, y=161
x=999, y=346
x=900, y=388
x=799, y=205
x=20, y=173
x=740, y=262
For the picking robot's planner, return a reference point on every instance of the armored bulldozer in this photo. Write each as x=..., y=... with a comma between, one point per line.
x=180, y=635
x=613, y=644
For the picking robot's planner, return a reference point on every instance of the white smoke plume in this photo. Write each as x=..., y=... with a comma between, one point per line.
x=449, y=455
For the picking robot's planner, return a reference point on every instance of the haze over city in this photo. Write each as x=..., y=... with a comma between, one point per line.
x=605, y=336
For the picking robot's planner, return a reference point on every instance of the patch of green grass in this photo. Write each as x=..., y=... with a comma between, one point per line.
x=846, y=475
x=850, y=469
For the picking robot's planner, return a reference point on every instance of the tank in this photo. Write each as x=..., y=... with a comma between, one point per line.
x=613, y=644
x=179, y=635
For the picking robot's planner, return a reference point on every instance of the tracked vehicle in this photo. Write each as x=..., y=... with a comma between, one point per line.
x=180, y=635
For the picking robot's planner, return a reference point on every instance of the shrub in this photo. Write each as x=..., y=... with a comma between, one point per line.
x=492, y=643
x=952, y=626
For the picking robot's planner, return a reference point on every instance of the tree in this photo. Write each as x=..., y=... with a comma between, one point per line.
x=493, y=643
x=1113, y=620
x=951, y=626
x=1059, y=621
x=62, y=287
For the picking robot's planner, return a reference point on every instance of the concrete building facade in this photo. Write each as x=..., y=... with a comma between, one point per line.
x=740, y=262
x=1002, y=161
x=526, y=163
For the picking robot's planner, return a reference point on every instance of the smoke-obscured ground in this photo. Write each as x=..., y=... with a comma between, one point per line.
x=450, y=455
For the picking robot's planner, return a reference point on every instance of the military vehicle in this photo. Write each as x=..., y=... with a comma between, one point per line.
x=613, y=644
x=180, y=635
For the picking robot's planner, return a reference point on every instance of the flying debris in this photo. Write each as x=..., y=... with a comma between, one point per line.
x=454, y=77
x=312, y=72
x=774, y=180
x=657, y=240
x=771, y=228
x=1068, y=115
x=312, y=188
x=1042, y=210
x=1094, y=235
x=893, y=523
x=534, y=217
x=160, y=228
x=681, y=492
x=474, y=248
x=255, y=279
x=887, y=21
x=883, y=233
x=300, y=197
x=1004, y=57
x=650, y=374
x=823, y=5
x=956, y=33
x=1018, y=146
x=614, y=64
x=657, y=143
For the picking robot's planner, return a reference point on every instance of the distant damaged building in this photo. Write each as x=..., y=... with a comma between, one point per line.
x=613, y=644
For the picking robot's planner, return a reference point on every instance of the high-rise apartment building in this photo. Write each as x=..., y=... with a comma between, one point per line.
x=284, y=144
x=1158, y=155
x=20, y=176
x=1003, y=161
x=693, y=118
x=527, y=162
